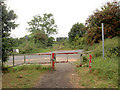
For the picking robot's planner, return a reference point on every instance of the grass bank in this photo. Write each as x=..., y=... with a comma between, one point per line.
x=24, y=76
x=104, y=72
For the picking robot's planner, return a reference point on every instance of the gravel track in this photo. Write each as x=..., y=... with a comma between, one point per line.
x=60, y=78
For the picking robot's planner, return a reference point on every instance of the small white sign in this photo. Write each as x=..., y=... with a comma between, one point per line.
x=16, y=50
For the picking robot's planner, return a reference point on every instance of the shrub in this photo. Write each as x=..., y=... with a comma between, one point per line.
x=111, y=48
x=85, y=59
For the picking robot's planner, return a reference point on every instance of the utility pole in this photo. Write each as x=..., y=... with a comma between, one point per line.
x=103, y=38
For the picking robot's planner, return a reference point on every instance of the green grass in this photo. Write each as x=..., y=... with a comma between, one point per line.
x=41, y=50
x=24, y=76
x=106, y=69
x=104, y=72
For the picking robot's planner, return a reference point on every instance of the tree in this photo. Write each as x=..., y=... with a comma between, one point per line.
x=41, y=28
x=45, y=24
x=8, y=23
x=77, y=29
x=40, y=38
x=50, y=41
x=109, y=15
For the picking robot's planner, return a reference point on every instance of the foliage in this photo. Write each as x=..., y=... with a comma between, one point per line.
x=41, y=28
x=62, y=44
x=8, y=23
x=103, y=70
x=35, y=43
x=40, y=37
x=78, y=42
x=111, y=48
x=50, y=41
x=109, y=15
x=77, y=29
x=85, y=59
x=45, y=24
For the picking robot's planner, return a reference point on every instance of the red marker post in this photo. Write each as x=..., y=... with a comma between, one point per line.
x=90, y=62
x=53, y=61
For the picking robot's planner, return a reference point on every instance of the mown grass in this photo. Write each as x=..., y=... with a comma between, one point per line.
x=25, y=76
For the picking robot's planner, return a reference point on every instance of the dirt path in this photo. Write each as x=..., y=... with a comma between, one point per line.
x=63, y=77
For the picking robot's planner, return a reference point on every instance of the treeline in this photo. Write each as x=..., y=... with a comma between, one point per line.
x=42, y=27
x=91, y=33
x=8, y=18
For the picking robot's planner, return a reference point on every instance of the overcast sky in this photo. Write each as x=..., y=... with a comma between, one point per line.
x=66, y=13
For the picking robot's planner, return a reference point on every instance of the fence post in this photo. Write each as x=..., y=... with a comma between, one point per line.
x=50, y=57
x=67, y=57
x=24, y=59
x=81, y=60
x=13, y=59
x=2, y=64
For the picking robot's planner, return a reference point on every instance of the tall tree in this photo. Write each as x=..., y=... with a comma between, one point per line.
x=77, y=29
x=41, y=28
x=44, y=24
x=110, y=16
x=8, y=23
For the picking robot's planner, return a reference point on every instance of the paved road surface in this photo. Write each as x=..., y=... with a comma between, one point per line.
x=44, y=58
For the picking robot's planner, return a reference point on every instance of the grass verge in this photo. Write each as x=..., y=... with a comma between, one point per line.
x=24, y=76
x=104, y=73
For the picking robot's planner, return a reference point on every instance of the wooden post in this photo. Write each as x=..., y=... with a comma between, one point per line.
x=50, y=57
x=67, y=57
x=2, y=64
x=13, y=59
x=24, y=59
x=81, y=60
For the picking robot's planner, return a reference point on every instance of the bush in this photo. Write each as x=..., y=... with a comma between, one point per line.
x=111, y=48
x=85, y=59
x=26, y=49
x=78, y=43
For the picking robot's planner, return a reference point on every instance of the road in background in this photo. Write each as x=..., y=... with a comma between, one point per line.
x=35, y=58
